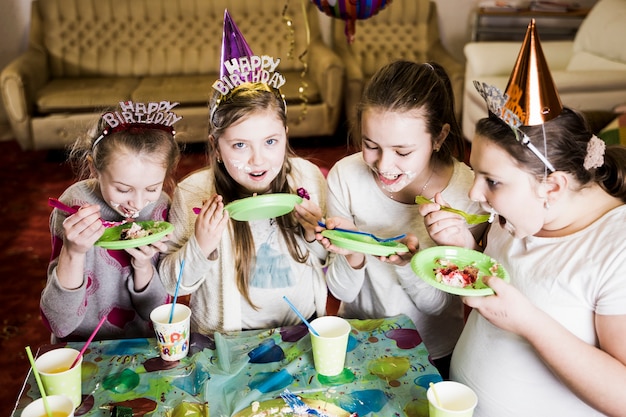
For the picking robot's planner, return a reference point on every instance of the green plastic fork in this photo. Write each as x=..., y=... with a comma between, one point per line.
x=469, y=218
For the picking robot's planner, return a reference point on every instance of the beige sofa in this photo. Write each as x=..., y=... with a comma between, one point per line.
x=404, y=29
x=589, y=72
x=86, y=56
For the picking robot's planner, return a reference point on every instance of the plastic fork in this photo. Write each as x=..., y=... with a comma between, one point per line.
x=469, y=218
x=298, y=406
x=53, y=202
x=356, y=232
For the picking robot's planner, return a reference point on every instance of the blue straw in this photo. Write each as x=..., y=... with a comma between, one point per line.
x=180, y=276
x=305, y=321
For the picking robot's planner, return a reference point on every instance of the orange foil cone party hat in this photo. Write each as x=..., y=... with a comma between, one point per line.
x=531, y=93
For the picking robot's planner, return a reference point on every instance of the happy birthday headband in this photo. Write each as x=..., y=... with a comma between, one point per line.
x=240, y=66
x=530, y=97
x=152, y=115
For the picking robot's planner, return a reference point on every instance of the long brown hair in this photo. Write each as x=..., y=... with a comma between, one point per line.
x=404, y=86
x=244, y=100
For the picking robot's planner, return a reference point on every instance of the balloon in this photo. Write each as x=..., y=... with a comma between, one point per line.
x=350, y=11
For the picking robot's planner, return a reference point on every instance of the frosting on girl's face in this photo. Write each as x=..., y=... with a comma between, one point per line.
x=253, y=150
x=397, y=148
x=394, y=182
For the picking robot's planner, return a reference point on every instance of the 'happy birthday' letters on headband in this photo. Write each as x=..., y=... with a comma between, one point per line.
x=252, y=69
x=157, y=113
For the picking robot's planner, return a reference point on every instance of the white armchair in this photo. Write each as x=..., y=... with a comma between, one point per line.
x=589, y=72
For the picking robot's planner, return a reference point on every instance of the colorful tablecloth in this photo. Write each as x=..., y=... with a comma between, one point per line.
x=387, y=374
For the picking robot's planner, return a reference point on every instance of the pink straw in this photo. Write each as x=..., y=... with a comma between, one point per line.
x=93, y=334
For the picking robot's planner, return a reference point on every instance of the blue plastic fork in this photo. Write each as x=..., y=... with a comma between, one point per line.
x=298, y=406
x=356, y=232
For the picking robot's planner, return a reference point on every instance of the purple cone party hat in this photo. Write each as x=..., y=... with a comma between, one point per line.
x=239, y=65
x=530, y=97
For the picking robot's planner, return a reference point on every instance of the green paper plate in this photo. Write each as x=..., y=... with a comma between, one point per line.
x=424, y=265
x=363, y=243
x=270, y=407
x=111, y=237
x=264, y=206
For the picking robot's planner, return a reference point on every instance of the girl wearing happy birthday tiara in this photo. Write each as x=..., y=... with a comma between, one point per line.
x=130, y=159
x=239, y=271
x=553, y=341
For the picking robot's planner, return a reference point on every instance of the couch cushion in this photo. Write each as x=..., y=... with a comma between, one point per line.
x=187, y=90
x=84, y=94
x=163, y=37
x=599, y=42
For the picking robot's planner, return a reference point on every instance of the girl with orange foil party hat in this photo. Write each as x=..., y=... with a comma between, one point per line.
x=552, y=342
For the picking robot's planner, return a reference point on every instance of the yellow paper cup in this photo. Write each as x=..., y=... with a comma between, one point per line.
x=59, y=405
x=56, y=375
x=172, y=338
x=453, y=399
x=329, y=348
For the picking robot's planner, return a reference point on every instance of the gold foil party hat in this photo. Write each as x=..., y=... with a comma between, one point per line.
x=531, y=93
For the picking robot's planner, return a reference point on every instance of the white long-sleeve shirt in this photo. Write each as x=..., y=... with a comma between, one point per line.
x=382, y=289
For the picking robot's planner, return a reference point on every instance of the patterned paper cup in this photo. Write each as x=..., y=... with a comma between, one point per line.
x=56, y=375
x=329, y=348
x=172, y=338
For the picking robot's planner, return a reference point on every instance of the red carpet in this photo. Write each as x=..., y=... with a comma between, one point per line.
x=27, y=179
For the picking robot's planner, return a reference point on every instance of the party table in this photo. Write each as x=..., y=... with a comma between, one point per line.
x=387, y=373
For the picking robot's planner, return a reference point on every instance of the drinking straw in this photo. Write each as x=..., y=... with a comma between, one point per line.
x=39, y=383
x=93, y=334
x=432, y=387
x=305, y=321
x=180, y=275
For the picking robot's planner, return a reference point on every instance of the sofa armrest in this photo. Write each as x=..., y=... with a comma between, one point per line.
x=498, y=58
x=327, y=70
x=20, y=81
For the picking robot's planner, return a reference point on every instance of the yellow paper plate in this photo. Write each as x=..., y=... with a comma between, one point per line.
x=278, y=404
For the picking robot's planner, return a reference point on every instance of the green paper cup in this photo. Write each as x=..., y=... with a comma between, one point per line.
x=59, y=405
x=172, y=338
x=56, y=375
x=453, y=399
x=329, y=348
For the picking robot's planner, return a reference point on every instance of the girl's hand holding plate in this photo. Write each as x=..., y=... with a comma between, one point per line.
x=355, y=259
x=507, y=309
x=82, y=229
x=403, y=258
x=211, y=222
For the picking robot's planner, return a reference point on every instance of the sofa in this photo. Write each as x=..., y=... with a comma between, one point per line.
x=589, y=71
x=84, y=57
x=404, y=29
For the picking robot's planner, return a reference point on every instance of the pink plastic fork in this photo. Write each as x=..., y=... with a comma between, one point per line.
x=53, y=202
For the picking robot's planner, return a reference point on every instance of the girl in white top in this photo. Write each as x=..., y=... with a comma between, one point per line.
x=238, y=271
x=553, y=341
x=411, y=145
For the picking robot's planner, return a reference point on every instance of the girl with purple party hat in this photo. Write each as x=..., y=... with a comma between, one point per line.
x=128, y=162
x=237, y=271
x=552, y=342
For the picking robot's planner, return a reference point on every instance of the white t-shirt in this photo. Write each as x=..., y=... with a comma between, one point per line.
x=385, y=290
x=571, y=278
